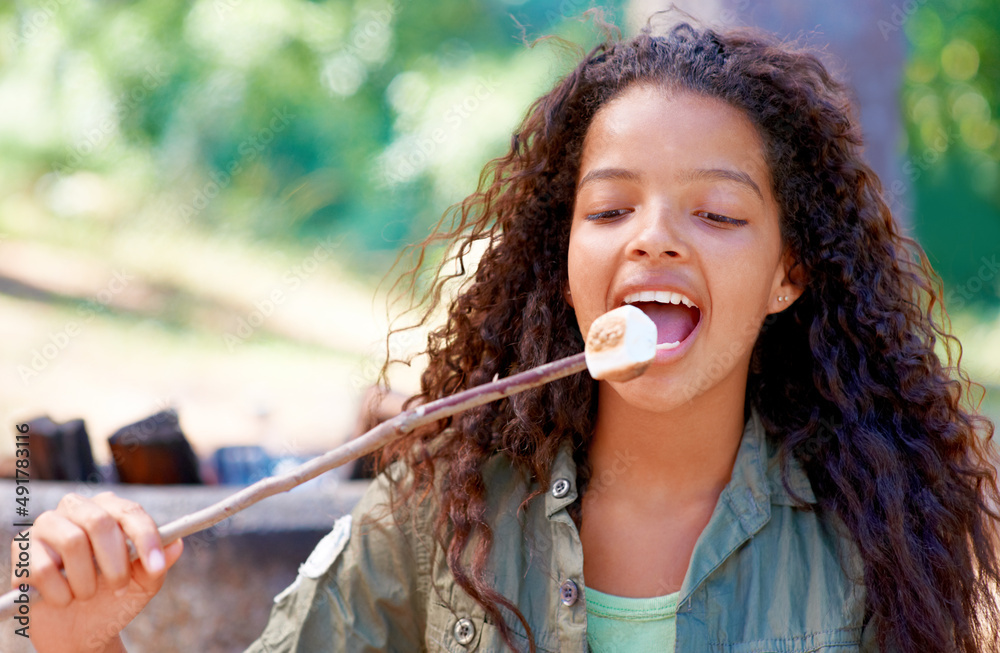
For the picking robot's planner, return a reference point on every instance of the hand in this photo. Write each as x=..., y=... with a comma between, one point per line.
x=101, y=591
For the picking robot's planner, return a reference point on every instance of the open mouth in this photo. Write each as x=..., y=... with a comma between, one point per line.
x=675, y=316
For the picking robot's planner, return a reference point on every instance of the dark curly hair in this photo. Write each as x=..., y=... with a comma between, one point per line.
x=846, y=380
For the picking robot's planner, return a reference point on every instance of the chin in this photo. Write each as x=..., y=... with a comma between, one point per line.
x=664, y=388
x=652, y=395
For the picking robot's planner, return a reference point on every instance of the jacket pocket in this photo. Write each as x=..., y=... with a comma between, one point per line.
x=456, y=632
x=460, y=631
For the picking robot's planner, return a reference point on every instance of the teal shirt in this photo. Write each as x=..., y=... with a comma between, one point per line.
x=765, y=576
x=617, y=623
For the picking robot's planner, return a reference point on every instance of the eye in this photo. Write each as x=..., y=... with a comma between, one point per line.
x=715, y=217
x=607, y=215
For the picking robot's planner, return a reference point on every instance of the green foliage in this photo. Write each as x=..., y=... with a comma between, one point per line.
x=951, y=101
x=274, y=119
x=291, y=119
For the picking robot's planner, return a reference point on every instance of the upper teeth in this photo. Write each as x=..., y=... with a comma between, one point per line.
x=661, y=296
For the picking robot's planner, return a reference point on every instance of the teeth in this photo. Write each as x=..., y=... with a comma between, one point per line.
x=660, y=296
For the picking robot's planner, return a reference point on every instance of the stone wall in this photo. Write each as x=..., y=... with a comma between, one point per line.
x=217, y=597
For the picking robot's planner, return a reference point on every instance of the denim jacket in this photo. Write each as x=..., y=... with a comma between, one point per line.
x=765, y=575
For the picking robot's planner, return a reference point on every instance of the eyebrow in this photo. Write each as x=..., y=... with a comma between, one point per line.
x=618, y=174
x=724, y=174
x=622, y=174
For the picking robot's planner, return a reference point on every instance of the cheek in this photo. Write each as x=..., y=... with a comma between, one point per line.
x=742, y=285
x=577, y=258
x=587, y=267
x=590, y=255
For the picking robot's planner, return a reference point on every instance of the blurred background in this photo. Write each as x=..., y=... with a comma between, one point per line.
x=199, y=199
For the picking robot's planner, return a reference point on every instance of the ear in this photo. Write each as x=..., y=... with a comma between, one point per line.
x=788, y=284
x=567, y=295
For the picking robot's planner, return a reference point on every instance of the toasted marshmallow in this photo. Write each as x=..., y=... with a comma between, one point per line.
x=621, y=344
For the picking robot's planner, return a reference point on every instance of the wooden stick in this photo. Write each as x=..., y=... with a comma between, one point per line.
x=621, y=344
x=374, y=439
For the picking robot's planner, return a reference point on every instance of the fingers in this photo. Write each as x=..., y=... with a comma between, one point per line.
x=139, y=527
x=100, y=538
x=151, y=582
x=87, y=540
x=46, y=564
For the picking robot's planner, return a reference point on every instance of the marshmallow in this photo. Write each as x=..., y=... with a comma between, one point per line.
x=621, y=344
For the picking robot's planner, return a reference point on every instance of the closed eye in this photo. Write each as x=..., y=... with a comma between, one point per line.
x=607, y=215
x=715, y=217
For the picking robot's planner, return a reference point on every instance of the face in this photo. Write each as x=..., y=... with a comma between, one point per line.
x=674, y=212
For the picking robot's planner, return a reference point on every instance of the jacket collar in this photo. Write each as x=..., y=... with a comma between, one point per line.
x=744, y=506
x=563, y=469
x=756, y=479
x=798, y=482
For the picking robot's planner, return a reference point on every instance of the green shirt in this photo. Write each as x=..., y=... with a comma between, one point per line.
x=617, y=623
x=765, y=575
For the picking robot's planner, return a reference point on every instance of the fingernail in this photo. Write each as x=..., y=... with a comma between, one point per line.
x=156, y=561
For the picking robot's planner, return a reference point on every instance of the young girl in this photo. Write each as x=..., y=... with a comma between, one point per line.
x=797, y=474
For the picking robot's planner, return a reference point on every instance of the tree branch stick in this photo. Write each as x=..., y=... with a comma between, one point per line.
x=374, y=439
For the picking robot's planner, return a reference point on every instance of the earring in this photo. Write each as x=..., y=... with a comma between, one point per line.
x=783, y=299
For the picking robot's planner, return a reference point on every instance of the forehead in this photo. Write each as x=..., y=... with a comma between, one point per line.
x=653, y=128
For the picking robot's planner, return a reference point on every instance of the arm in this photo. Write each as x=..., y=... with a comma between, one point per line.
x=363, y=588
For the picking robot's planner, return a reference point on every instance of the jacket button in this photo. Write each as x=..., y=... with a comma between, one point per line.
x=569, y=592
x=465, y=631
x=560, y=488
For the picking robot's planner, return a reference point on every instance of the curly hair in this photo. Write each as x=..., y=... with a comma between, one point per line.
x=846, y=380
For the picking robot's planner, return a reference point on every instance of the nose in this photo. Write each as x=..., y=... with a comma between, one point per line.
x=657, y=236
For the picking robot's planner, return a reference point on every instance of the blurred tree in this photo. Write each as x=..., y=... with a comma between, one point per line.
x=264, y=118
x=291, y=119
x=951, y=96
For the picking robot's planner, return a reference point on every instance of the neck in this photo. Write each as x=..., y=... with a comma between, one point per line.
x=685, y=454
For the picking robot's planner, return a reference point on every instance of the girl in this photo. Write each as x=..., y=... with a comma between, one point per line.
x=797, y=474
